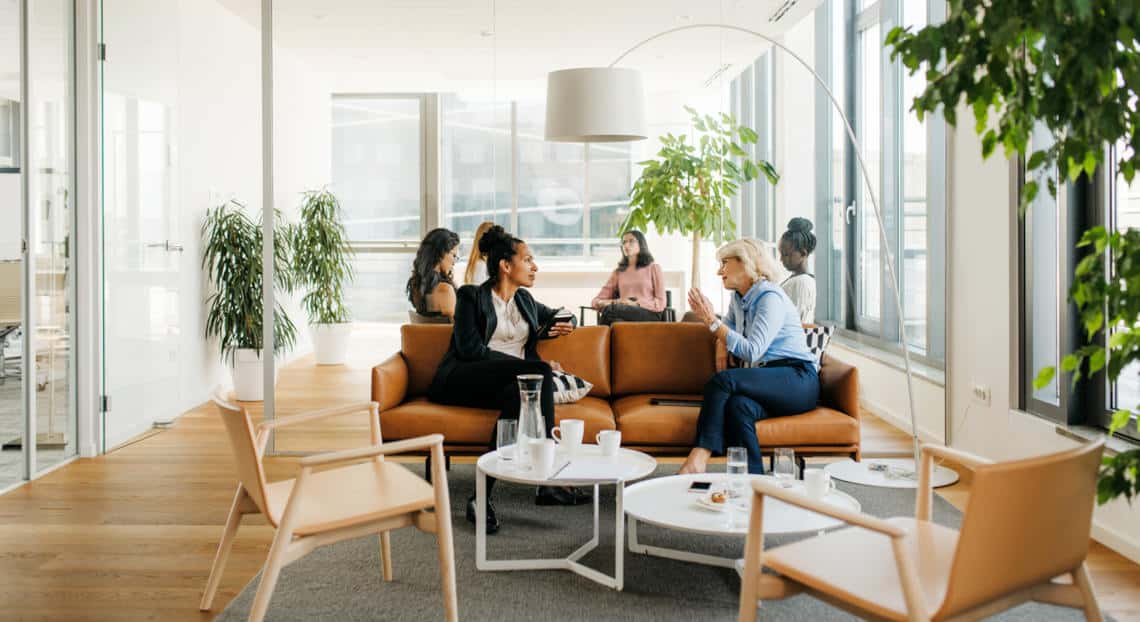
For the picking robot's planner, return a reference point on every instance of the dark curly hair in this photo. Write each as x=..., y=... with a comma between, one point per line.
x=425, y=274
x=799, y=235
x=497, y=245
x=644, y=257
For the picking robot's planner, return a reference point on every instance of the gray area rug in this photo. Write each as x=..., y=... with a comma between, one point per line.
x=343, y=581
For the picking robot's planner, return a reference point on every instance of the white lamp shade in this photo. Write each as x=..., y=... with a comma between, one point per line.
x=595, y=105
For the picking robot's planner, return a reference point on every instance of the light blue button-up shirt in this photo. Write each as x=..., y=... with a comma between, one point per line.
x=764, y=325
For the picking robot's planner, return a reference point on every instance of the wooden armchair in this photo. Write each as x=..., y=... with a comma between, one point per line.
x=337, y=496
x=1026, y=523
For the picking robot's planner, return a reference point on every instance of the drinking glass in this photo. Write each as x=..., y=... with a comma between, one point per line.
x=507, y=435
x=785, y=466
x=737, y=474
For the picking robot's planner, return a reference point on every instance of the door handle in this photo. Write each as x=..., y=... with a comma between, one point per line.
x=166, y=245
x=849, y=212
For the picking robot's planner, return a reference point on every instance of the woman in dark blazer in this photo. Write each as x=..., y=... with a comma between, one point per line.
x=495, y=339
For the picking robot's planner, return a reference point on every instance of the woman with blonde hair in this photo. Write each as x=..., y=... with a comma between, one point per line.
x=476, y=271
x=777, y=375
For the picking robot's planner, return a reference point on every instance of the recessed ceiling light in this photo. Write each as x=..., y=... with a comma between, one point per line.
x=684, y=18
x=320, y=17
x=486, y=33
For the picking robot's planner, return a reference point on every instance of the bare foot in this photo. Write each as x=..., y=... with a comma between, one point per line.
x=697, y=462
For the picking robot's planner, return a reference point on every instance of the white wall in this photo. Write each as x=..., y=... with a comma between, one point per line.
x=980, y=328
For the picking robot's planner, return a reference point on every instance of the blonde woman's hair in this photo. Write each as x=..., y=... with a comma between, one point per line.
x=475, y=256
x=758, y=263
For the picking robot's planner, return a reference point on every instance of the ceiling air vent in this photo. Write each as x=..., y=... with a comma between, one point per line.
x=782, y=10
x=716, y=75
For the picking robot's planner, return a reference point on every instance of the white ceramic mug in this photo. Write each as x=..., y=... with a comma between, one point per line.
x=542, y=456
x=569, y=434
x=609, y=441
x=817, y=483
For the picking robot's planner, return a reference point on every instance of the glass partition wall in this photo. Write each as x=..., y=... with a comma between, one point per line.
x=37, y=163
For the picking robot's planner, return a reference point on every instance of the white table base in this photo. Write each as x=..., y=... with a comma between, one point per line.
x=686, y=556
x=570, y=562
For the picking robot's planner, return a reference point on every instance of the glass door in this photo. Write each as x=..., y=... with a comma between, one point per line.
x=11, y=258
x=142, y=229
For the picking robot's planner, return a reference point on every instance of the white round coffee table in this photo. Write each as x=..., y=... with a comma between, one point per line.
x=628, y=465
x=666, y=502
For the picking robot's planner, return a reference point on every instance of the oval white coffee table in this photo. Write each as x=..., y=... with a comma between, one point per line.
x=666, y=502
x=628, y=465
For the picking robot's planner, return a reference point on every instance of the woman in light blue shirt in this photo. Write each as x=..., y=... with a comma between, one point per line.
x=777, y=374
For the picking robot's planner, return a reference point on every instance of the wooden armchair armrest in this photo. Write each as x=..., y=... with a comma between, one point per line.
x=313, y=416
x=924, y=499
x=968, y=460
x=858, y=519
x=352, y=455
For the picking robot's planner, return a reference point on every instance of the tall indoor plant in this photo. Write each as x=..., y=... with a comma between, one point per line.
x=1072, y=67
x=687, y=187
x=322, y=261
x=232, y=259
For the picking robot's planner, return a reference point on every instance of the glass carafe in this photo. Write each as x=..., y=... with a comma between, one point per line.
x=531, y=424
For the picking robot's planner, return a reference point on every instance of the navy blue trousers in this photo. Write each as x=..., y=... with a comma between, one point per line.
x=735, y=399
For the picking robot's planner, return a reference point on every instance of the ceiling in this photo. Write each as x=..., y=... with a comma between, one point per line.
x=510, y=45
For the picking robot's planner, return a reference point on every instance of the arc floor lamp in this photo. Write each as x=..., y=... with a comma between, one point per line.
x=607, y=104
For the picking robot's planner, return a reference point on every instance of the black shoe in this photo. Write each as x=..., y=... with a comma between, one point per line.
x=492, y=520
x=552, y=495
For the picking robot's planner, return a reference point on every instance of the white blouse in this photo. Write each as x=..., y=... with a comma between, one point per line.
x=511, y=330
x=801, y=289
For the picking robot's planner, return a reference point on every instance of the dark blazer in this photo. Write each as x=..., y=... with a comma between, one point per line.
x=475, y=321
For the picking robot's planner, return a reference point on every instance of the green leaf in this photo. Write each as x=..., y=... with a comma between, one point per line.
x=1044, y=377
x=1120, y=419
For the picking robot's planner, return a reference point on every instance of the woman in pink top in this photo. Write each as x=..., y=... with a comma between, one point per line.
x=635, y=291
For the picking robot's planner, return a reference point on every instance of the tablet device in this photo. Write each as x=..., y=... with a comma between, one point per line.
x=663, y=401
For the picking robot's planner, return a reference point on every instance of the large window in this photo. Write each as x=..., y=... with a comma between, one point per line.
x=905, y=160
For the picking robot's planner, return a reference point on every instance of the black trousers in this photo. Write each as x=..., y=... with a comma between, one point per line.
x=626, y=313
x=493, y=384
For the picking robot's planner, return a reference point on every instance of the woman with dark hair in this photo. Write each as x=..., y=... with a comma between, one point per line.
x=495, y=340
x=430, y=288
x=635, y=291
x=796, y=245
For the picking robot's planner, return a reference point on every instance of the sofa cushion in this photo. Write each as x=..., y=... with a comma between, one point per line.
x=594, y=411
x=661, y=357
x=822, y=426
x=418, y=416
x=423, y=347
x=584, y=353
x=476, y=426
x=642, y=423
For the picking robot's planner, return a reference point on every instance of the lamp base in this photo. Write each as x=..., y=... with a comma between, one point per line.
x=888, y=473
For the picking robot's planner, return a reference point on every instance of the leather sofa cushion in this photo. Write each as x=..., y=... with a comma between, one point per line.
x=661, y=357
x=594, y=411
x=822, y=426
x=584, y=353
x=642, y=423
x=458, y=424
x=475, y=426
x=423, y=347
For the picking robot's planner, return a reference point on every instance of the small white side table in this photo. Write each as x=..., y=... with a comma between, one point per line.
x=666, y=502
x=489, y=465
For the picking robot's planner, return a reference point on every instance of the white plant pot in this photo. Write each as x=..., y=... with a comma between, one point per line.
x=249, y=376
x=330, y=342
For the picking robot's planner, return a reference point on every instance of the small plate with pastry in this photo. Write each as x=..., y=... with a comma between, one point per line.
x=716, y=501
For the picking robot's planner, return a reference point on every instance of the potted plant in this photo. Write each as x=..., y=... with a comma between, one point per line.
x=323, y=267
x=686, y=189
x=232, y=259
x=1073, y=68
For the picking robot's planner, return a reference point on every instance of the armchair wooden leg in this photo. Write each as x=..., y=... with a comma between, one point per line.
x=223, y=554
x=269, y=574
x=386, y=554
x=1083, y=581
x=443, y=535
x=753, y=550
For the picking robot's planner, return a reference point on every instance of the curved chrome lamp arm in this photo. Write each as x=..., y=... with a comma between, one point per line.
x=866, y=179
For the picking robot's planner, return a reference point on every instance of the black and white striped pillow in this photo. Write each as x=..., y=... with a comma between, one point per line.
x=817, y=339
x=569, y=388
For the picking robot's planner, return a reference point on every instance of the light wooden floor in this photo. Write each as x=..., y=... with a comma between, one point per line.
x=131, y=535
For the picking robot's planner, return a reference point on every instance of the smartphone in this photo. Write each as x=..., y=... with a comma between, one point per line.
x=700, y=486
x=560, y=315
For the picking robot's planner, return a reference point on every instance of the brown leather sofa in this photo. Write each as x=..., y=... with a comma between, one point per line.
x=628, y=364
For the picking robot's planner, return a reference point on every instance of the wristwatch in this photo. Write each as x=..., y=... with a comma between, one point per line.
x=715, y=326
